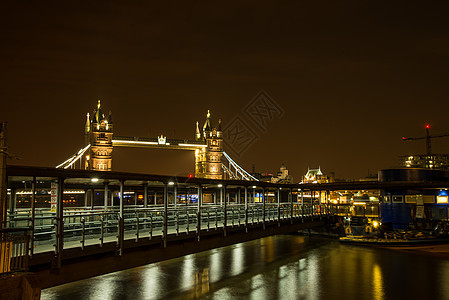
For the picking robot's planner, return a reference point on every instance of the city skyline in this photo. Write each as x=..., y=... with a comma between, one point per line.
x=351, y=80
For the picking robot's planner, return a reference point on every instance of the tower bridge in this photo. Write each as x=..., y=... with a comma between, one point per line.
x=211, y=162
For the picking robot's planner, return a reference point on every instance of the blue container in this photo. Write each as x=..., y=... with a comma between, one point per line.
x=398, y=214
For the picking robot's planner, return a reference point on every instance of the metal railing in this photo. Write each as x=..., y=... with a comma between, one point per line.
x=14, y=246
x=85, y=227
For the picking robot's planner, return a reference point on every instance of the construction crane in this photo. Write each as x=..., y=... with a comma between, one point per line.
x=428, y=138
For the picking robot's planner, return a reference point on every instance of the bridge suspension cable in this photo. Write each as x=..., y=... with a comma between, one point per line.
x=240, y=173
x=229, y=172
x=74, y=158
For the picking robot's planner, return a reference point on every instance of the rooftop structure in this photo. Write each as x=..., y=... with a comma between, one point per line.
x=315, y=176
x=282, y=176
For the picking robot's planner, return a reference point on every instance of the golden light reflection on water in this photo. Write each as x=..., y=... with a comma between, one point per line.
x=267, y=249
x=297, y=242
x=378, y=283
x=270, y=268
x=443, y=272
x=201, y=284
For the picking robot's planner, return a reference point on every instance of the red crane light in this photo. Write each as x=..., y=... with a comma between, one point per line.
x=190, y=175
x=427, y=126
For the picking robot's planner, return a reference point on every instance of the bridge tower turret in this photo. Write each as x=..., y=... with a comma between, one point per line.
x=87, y=130
x=208, y=159
x=197, y=132
x=214, y=153
x=99, y=131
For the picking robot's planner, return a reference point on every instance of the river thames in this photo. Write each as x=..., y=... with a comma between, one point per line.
x=277, y=267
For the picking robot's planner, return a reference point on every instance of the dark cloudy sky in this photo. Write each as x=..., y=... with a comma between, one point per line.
x=352, y=77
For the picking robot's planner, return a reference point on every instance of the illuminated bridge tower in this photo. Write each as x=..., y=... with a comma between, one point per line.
x=208, y=160
x=98, y=133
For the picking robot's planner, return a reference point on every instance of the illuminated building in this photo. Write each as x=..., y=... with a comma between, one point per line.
x=208, y=160
x=98, y=133
x=315, y=176
x=432, y=161
x=428, y=161
x=424, y=206
x=282, y=176
x=99, y=143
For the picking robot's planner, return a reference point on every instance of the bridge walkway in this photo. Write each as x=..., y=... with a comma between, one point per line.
x=86, y=227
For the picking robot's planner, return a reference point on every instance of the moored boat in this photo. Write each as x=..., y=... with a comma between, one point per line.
x=382, y=242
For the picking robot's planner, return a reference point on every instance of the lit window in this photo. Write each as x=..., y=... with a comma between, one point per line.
x=442, y=199
x=397, y=199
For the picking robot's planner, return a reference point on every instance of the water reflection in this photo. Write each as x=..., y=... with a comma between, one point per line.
x=201, y=285
x=151, y=281
x=280, y=267
x=267, y=249
x=443, y=272
x=378, y=285
x=258, y=287
x=216, y=265
x=237, y=260
x=188, y=271
x=103, y=288
x=313, y=272
x=287, y=280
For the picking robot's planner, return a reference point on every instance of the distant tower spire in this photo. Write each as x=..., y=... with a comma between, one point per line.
x=98, y=117
x=207, y=125
x=197, y=132
x=87, y=126
x=87, y=130
x=219, y=130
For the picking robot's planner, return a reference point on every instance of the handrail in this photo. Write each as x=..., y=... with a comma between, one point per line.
x=16, y=229
x=139, y=222
x=14, y=249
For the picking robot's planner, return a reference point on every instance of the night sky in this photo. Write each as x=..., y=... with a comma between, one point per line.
x=351, y=77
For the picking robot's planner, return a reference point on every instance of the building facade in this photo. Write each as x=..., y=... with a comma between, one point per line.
x=432, y=161
x=282, y=176
x=315, y=176
x=423, y=206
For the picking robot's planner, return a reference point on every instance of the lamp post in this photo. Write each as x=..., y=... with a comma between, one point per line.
x=3, y=181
